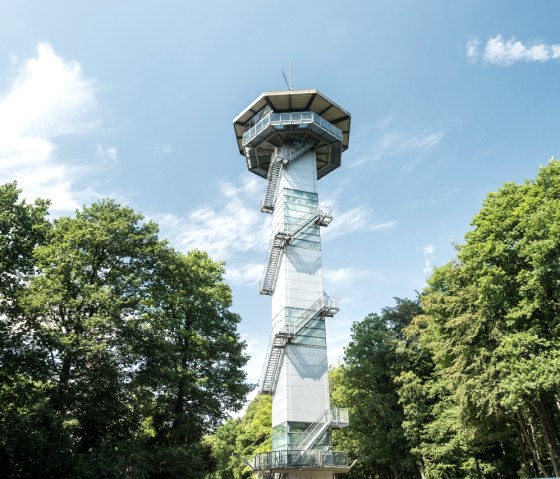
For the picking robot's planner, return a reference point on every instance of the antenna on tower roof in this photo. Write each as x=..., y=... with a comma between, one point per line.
x=290, y=85
x=286, y=80
x=291, y=77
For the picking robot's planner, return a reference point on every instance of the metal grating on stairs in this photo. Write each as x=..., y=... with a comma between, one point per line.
x=331, y=418
x=267, y=204
x=269, y=277
x=273, y=358
x=314, y=432
x=323, y=217
x=324, y=306
x=281, y=157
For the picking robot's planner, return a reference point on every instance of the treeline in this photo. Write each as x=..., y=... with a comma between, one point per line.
x=118, y=354
x=464, y=381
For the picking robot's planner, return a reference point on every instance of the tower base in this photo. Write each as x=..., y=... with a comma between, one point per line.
x=300, y=474
x=297, y=464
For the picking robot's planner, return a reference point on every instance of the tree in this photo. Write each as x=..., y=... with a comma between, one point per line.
x=23, y=403
x=366, y=384
x=491, y=326
x=237, y=441
x=22, y=227
x=193, y=356
x=123, y=351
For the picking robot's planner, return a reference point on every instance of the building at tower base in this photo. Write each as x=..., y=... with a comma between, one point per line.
x=292, y=139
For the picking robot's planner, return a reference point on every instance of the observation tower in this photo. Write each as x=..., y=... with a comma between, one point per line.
x=292, y=139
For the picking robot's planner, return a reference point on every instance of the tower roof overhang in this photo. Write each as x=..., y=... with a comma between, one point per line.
x=293, y=101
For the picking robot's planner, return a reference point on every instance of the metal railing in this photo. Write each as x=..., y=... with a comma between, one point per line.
x=339, y=417
x=324, y=305
x=335, y=417
x=299, y=458
x=291, y=118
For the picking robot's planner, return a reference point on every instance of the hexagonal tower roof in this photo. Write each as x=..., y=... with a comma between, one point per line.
x=279, y=116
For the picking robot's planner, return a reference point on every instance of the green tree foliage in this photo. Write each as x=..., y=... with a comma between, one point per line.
x=365, y=383
x=122, y=353
x=237, y=441
x=490, y=407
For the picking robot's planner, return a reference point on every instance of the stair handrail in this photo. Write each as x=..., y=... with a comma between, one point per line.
x=281, y=238
x=307, y=315
x=266, y=362
x=271, y=345
x=321, y=212
x=308, y=437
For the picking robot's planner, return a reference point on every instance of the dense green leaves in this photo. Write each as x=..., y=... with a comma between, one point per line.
x=365, y=383
x=491, y=328
x=237, y=441
x=119, y=353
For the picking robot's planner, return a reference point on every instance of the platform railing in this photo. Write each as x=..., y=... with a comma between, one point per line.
x=291, y=118
x=297, y=458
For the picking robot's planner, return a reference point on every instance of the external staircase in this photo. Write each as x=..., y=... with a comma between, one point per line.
x=324, y=306
x=331, y=418
x=281, y=158
x=281, y=239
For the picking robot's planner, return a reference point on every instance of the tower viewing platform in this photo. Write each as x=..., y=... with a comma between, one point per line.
x=292, y=139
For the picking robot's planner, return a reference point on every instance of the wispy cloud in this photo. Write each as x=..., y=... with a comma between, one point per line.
x=344, y=275
x=48, y=99
x=107, y=154
x=247, y=274
x=428, y=251
x=163, y=150
x=471, y=50
x=385, y=145
x=353, y=220
x=499, y=51
x=231, y=224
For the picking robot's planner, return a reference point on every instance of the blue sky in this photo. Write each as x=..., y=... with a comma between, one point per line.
x=449, y=100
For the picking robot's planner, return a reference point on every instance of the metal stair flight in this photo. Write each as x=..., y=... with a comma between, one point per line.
x=331, y=418
x=324, y=306
x=281, y=239
x=281, y=157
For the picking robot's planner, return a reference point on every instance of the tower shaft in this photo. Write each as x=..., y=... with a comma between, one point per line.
x=302, y=388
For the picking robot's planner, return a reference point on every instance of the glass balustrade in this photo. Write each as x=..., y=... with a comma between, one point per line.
x=292, y=118
x=297, y=458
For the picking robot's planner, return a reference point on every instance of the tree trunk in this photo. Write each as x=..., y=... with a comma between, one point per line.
x=527, y=465
x=530, y=444
x=59, y=407
x=548, y=434
x=478, y=472
x=420, y=464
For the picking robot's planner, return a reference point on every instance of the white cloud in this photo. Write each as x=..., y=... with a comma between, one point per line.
x=428, y=258
x=233, y=224
x=384, y=145
x=107, y=153
x=384, y=226
x=353, y=220
x=338, y=337
x=499, y=51
x=162, y=150
x=244, y=275
x=471, y=49
x=49, y=98
x=344, y=275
